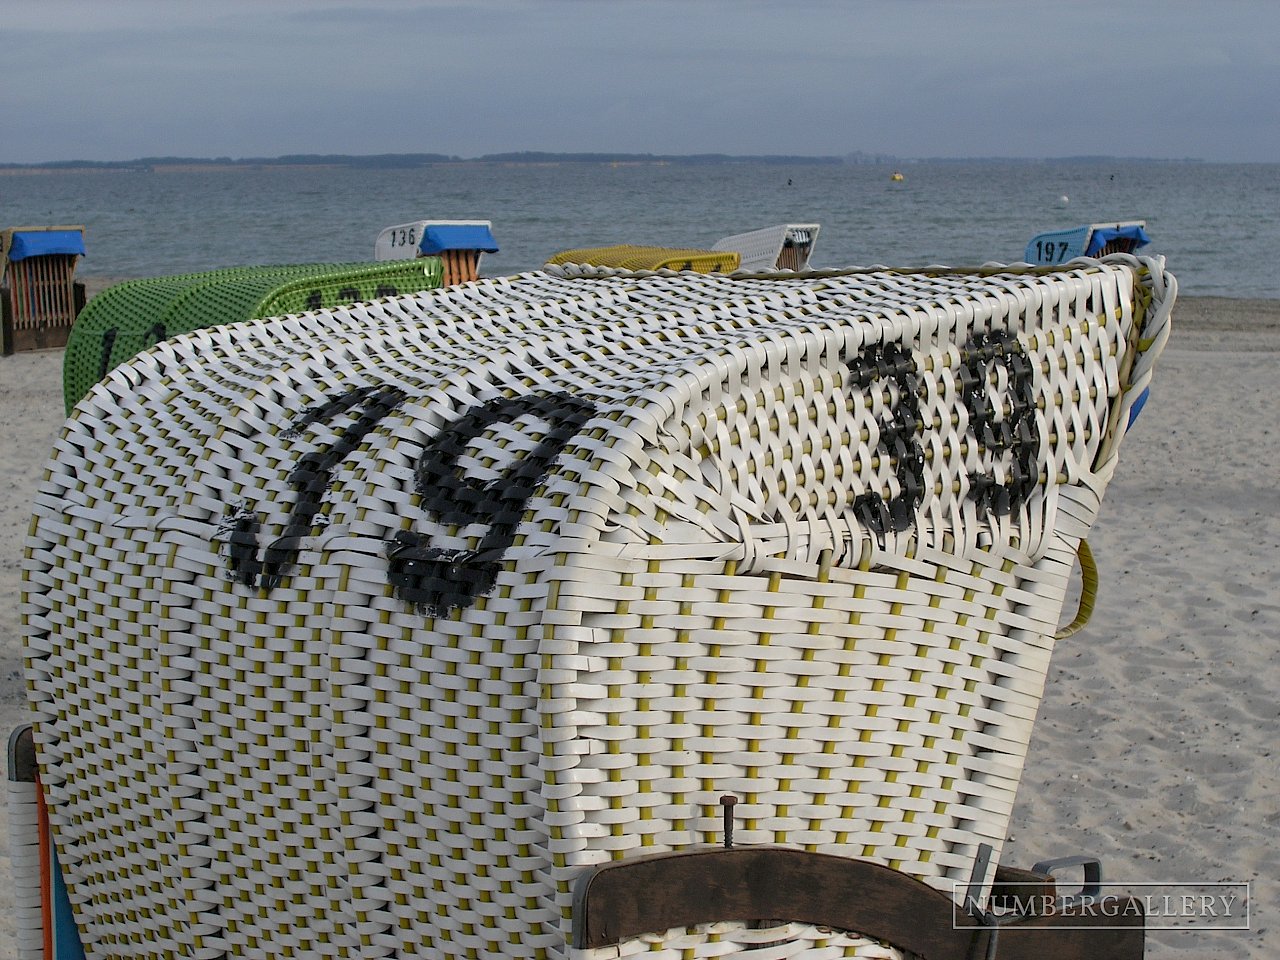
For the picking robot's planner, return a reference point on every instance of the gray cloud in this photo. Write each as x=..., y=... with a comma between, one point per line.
x=131, y=78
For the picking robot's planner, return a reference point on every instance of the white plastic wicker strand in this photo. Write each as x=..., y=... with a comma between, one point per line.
x=328, y=761
x=24, y=858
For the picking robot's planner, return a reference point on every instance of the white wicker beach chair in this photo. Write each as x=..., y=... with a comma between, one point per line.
x=787, y=246
x=372, y=632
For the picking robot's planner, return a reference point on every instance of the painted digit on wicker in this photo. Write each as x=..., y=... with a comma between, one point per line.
x=312, y=477
x=1014, y=432
x=881, y=363
x=240, y=528
x=438, y=579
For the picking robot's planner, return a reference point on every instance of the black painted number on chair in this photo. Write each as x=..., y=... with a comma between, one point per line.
x=438, y=579
x=1006, y=427
x=997, y=388
x=311, y=477
x=431, y=578
x=404, y=237
x=888, y=367
x=1051, y=251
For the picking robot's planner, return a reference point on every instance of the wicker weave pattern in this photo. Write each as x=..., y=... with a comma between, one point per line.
x=22, y=809
x=578, y=553
x=766, y=942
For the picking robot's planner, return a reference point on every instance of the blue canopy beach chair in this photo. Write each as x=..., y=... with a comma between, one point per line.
x=1091, y=240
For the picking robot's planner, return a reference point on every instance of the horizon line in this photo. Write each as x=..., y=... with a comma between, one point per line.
x=538, y=156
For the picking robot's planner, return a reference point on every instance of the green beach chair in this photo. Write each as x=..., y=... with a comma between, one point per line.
x=127, y=318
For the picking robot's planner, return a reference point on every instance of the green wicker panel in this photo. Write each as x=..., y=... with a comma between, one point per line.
x=129, y=317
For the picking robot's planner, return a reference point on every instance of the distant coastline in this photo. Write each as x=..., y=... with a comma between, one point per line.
x=397, y=161
x=402, y=161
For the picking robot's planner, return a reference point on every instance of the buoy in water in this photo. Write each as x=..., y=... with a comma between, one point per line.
x=1063, y=200
x=897, y=177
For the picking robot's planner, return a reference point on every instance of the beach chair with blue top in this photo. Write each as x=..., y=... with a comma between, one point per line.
x=581, y=614
x=1092, y=240
x=40, y=297
x=460, y=244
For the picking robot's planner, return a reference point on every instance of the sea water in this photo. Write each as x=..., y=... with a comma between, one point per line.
x=1216, y=224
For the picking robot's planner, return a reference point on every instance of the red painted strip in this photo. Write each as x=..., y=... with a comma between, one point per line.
x=46, y=871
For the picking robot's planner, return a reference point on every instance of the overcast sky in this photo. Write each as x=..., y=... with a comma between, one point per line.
x=121, y=79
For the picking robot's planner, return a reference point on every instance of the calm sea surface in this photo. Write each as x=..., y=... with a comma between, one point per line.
x=1216, y=224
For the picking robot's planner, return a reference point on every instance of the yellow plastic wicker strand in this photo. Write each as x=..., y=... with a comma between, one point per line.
x=1088, y=592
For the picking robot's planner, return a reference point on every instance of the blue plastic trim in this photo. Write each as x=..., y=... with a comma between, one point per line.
x=66, y=936
x=438, y=239
x=41, y=243
x=1137, y=407
x=1104, y=235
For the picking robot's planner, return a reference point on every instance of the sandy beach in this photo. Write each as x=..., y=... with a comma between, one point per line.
x=1154, y=747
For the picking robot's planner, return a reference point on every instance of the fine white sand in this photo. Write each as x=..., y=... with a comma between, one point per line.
x=1155, y=749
